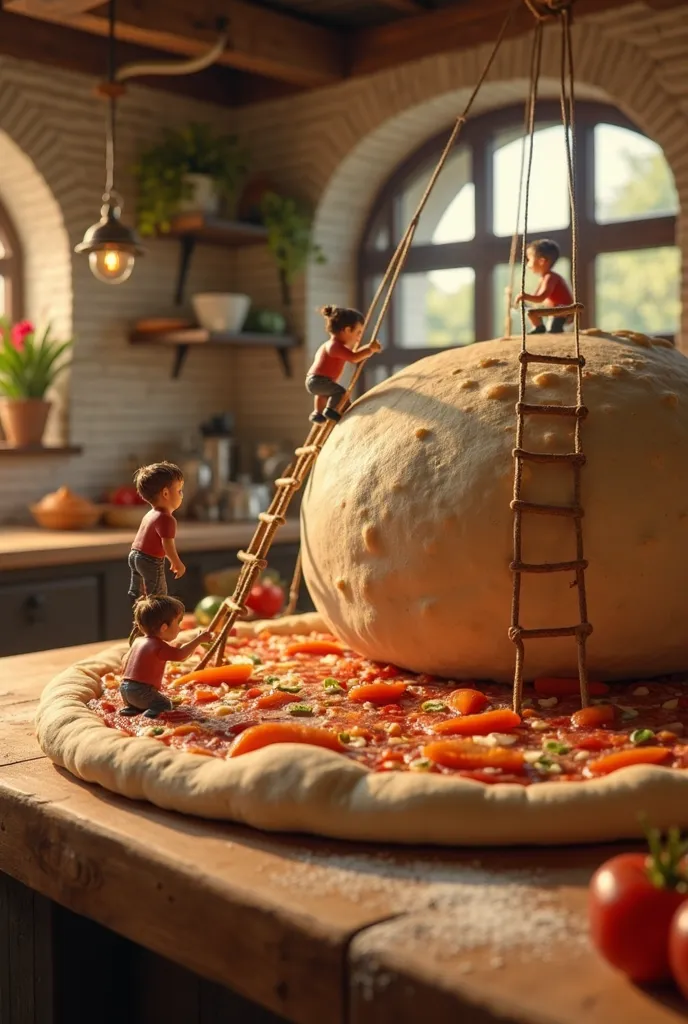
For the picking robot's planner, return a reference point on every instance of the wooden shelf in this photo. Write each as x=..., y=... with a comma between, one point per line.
x=183, y=340
x=191, y=229
x=231, y=234
x=39, y=449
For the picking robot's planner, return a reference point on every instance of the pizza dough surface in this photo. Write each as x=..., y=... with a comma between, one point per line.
x=408, y=531
x=296, y=788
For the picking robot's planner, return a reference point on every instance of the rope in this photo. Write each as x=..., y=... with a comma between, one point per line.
x=514, y=238
x=576, y=459
x=294, y=588
x=269, y=522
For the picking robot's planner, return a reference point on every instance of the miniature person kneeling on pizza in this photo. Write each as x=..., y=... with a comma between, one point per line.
x=162, y=486
x=552, y=290
x=345, y=327
x=159, y=619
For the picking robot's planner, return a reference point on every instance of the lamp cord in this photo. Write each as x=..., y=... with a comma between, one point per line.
x=111, y=117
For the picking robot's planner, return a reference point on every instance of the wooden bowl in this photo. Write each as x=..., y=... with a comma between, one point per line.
x=66, y=518
x=124, y=517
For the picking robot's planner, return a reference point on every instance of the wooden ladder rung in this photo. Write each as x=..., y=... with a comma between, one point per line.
x=249, y=557
x=272, y=517
x=547, y=510
x=288, y=481
x=577, y=563
x=535, y=357
x=575, y=307
x=518, y=633
x=526, y=409
x=575, y=458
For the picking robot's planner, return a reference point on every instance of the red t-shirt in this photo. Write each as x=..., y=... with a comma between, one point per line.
x=146, y=660
x=155, y=525
x=330, y=360
x=555, y=290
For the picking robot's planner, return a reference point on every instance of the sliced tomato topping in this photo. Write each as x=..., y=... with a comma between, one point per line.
x=315, y=647
x=597, y=716
x=501, y=720
x=231, y=674
x=377, y=693
x=626, y=758
x=267, y=733
x=466, y=755
x=467, y=702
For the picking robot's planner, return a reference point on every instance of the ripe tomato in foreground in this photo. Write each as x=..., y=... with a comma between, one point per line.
x=678, y=948
x=633, y=898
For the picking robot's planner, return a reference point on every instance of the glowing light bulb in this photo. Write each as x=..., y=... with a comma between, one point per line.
x=111, y=265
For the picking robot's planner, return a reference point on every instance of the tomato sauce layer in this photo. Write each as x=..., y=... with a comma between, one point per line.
x=312, y=690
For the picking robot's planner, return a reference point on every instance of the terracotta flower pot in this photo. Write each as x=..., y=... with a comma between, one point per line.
x=23, y=420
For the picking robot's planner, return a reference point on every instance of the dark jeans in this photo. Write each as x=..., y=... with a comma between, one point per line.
x=144, y=697
x=325, y=387
x=147, y=575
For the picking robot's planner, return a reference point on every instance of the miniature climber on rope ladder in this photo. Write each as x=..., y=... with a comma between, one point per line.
x=326, y=416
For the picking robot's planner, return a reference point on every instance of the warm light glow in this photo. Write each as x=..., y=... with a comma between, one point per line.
x=111, y=265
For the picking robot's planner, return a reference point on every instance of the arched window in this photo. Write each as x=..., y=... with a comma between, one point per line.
x=11, y=269
x=452, y=290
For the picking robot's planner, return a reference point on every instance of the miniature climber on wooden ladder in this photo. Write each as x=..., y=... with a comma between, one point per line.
x=254, y=559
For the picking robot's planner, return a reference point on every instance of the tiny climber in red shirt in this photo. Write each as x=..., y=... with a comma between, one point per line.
x=345, y=327
x=552, y=290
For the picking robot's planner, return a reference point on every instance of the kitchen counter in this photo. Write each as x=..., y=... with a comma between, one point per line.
x=314, y=931
x=25, y=547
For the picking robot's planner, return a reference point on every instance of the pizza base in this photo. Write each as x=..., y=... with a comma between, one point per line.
x=297, y=788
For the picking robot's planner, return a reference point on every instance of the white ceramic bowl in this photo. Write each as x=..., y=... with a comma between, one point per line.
x=221, y=311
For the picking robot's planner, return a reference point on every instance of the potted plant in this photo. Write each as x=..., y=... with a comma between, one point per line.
x=289, y=238
x=191, y=168
x=28, y=367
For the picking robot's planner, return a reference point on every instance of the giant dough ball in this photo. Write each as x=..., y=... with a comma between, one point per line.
x=408, y=530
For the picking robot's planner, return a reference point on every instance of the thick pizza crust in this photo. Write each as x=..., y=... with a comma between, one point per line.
x=297, y=788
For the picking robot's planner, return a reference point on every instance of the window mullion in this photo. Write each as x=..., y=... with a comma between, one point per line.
x=481, y=262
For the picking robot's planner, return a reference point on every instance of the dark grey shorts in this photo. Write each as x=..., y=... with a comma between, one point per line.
x=147, y=574
x=144, y=697
x=324, y=387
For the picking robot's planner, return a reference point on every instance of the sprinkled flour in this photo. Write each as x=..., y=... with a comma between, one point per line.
x=474, y=908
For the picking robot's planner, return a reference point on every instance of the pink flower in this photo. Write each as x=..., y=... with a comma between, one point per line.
x=19, y=333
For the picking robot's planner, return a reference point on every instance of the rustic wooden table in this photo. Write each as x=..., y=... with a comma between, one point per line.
x=198, y=923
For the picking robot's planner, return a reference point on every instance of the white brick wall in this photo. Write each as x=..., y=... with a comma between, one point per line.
x=333, y=148
x=121, y=398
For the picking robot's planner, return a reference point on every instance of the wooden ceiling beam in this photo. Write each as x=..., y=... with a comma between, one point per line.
x=404, y=6
x=51, y=8
x=55, y=46
x=260, y=41
x=458, y=27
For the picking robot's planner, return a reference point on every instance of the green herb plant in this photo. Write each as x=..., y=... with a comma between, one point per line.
x=290, y=239
x=161, y=172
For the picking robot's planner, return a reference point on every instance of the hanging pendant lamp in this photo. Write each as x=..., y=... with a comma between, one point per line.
x=112, y=247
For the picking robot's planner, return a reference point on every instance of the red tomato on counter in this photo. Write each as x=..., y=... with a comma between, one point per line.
x=678, y=948
x=126, y=496
x=633, y=898
x=266, y=599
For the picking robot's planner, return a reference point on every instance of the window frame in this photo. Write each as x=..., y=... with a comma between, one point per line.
x=486, y=250
x=11, y=267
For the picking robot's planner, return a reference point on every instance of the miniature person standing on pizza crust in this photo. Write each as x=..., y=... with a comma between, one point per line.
x=552, y=290
x=159, y=619
x=162, y=486
x=345, y=327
